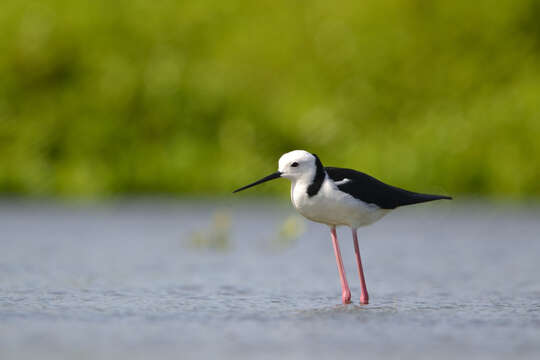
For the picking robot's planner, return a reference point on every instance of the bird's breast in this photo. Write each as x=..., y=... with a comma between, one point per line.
x=333, y=207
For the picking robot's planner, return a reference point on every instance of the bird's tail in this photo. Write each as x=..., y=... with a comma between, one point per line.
x=420, y=198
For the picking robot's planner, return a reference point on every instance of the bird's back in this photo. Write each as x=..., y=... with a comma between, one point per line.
x=372, y=191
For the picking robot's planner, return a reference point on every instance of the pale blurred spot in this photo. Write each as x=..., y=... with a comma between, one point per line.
x=35, y=31
x=322, y=124
x=116, y=80
x=288, y=233
x=216, y=236
x=163, y=73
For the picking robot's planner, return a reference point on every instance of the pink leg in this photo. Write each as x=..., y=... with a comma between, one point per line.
x=364, y=297
x=346, y=293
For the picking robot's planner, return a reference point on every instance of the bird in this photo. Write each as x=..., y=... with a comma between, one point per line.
x=340, y=197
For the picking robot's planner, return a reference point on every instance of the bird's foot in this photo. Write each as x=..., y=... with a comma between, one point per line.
x=346, y=297
x=364, y=299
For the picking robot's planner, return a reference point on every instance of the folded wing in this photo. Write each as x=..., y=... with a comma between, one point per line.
x=372, y=191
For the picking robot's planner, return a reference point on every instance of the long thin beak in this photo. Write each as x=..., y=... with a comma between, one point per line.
x=264, y=179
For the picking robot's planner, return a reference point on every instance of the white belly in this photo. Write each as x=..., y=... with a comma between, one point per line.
x=333, y=207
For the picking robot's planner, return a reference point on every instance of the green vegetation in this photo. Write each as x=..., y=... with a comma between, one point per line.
x=199, y=97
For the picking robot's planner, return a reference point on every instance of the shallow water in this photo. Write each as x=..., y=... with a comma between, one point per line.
x=135, y=280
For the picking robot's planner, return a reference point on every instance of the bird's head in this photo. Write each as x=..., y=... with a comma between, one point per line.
x=298, y=164
x=295, y=165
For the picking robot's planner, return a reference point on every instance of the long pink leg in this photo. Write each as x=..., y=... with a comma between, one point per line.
x=364, y=297
x=346, y=293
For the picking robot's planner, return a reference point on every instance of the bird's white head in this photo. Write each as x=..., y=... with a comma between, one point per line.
x=297, y=165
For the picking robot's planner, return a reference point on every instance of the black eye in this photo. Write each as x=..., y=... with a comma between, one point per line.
x=294, y=164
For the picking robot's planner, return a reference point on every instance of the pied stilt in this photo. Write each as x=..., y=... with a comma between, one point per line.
x=336, y=196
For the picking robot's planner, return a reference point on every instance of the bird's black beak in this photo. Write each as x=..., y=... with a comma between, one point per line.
x=273, y=176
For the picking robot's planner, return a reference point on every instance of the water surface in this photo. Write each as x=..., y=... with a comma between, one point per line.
x=138, y=280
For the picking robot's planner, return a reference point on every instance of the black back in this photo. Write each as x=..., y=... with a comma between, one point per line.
x=372, y=191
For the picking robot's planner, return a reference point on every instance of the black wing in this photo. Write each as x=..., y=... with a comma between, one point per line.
x=372, y=191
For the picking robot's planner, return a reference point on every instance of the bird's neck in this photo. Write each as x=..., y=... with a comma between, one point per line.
x=317, y=179
x=309, y=184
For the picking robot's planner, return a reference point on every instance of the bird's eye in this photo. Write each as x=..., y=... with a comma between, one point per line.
x=294, y=164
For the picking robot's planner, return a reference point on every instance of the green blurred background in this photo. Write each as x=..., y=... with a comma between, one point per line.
x=100, y=98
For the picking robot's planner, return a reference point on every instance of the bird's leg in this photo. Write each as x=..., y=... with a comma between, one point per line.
x=346, y=293
x=364, y=297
